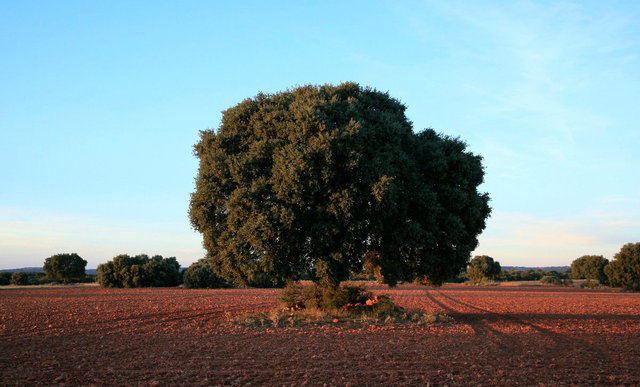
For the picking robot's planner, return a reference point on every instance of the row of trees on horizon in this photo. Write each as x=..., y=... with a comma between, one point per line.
x=125, y=271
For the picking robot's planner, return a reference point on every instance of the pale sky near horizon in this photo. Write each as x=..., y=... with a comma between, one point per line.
x=101, y=104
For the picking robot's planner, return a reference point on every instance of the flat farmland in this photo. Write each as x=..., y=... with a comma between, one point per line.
x=499, y=335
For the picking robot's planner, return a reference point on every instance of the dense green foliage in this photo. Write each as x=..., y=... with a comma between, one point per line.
x=65, y=267
x=310, y=180
x=590, y=267
x=33, y=278
x=483, y=268
x=201, y=275
x=20, y=278
x=139, y=271
x=624, y=270
x=551, y=280
x=5, y=278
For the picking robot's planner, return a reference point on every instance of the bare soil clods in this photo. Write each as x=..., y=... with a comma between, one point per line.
x=500, y=335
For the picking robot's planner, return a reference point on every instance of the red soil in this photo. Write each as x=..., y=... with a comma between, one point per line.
x=501, y=335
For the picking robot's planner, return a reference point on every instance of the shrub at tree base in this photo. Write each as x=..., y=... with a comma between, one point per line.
x=201, y=275
x=624, y=270
x=139, y=271
x=311, y=305
x=295, y=296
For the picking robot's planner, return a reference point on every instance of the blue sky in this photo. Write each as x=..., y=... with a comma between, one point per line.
x=101, y=103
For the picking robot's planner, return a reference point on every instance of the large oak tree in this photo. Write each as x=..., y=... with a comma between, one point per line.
x=309, y=180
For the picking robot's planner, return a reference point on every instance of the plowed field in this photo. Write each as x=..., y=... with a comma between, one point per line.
x=500, y=335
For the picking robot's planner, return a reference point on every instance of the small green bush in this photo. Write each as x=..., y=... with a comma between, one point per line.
x=345, y=297
x=295, y=296
x=551, y=280
x=590, y=284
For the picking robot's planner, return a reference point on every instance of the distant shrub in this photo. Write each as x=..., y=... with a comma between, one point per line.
x=5, y=278
x=590, y=284
x=20, y=278
x=89, y=278
x=590, y=267
x=624, y=270
x=201, y=275
x=551, y=280
x=139, y=271
x=483, y=268
x=65, y=267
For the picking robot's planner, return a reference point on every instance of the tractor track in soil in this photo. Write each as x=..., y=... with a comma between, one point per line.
x=486, y=322
x=136, y=322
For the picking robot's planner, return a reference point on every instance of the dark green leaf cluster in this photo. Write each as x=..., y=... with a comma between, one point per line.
x=201, y=275
x=624, y=270
x=65, y=267
x=551, y=280
x=25, y=278
x=139, y=271
x=21, y=278
x=310, y=180
x=483, y=268
x=5, y=278
x=590, y=267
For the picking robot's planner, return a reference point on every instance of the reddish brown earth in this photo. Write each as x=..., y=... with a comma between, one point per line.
x=501, y=335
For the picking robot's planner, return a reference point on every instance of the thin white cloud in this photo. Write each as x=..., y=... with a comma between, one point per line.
x=542, y=50
x=523, y=239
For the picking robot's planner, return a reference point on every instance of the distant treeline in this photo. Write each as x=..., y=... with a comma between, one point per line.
x=10, y=277
x=126, y=271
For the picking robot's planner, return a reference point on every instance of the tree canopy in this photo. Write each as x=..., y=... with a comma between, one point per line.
x=483, y=267
x=309, y=180
x=124, y=271
x=624, y=270
x=65, y=267
x=201, y=275
x=590, y=267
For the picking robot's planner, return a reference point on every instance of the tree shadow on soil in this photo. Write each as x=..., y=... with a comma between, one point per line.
x=562, y=346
